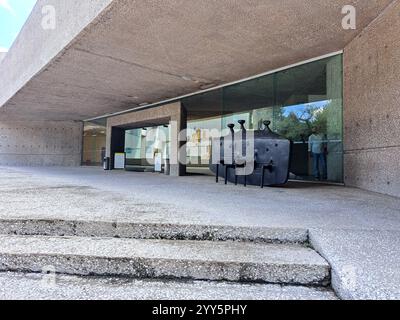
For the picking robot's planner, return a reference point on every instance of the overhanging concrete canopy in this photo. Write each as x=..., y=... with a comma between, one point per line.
x=123, y=53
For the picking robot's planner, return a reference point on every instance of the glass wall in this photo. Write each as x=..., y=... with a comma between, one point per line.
x=94, y=143
x=303, y=103
x=204, y=117
x=144, y=145
x=199, y=141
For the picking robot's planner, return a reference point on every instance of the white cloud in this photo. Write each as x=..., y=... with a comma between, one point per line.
x=5, y=5
x=3, y=50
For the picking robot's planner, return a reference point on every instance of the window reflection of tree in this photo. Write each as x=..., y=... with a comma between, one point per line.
x=296, y=123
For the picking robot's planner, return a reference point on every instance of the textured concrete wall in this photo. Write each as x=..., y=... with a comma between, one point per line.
x=40, y=143
x=35, y=47
x=372, y=106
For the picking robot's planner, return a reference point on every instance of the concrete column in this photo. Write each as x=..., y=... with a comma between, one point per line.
x=108, y=139
x=178, y=141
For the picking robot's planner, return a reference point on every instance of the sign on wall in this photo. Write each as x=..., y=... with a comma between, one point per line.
x=158, y=162
x=119, y=161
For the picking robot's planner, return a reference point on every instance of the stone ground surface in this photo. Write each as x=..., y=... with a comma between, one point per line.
x=366, y=264
x=27, y=286
x=349, y=226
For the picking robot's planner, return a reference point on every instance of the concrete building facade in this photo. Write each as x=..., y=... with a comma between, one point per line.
x=372, y=105
x=105, y=58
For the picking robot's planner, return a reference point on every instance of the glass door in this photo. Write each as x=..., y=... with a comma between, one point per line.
x=143, y=146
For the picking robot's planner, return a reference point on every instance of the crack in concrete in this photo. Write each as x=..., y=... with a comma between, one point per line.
x=180, y=77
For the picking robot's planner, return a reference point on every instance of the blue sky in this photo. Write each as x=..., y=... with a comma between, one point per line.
x=301, y=108
x=13, y=14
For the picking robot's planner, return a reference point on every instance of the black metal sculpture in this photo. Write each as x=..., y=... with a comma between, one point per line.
x=269, y=162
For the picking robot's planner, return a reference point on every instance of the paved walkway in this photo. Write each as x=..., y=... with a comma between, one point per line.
x=358, y=232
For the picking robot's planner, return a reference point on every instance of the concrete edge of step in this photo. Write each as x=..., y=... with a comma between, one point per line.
x=309, y=275
x=39, y=286
x=336, y=283
x=152, y=230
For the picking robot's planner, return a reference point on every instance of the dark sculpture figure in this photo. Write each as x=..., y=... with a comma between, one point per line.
x=270, y=159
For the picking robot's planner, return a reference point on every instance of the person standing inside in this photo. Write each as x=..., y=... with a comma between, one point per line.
x=317, y=147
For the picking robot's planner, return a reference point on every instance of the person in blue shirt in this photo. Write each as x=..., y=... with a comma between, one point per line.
x=317, y=147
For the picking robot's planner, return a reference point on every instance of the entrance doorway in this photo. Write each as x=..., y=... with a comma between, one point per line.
x=147, y=149
x=94, y=143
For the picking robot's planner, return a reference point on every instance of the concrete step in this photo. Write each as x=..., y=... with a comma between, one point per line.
x=19, y=286
x=200, y=260
x=135, y=230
